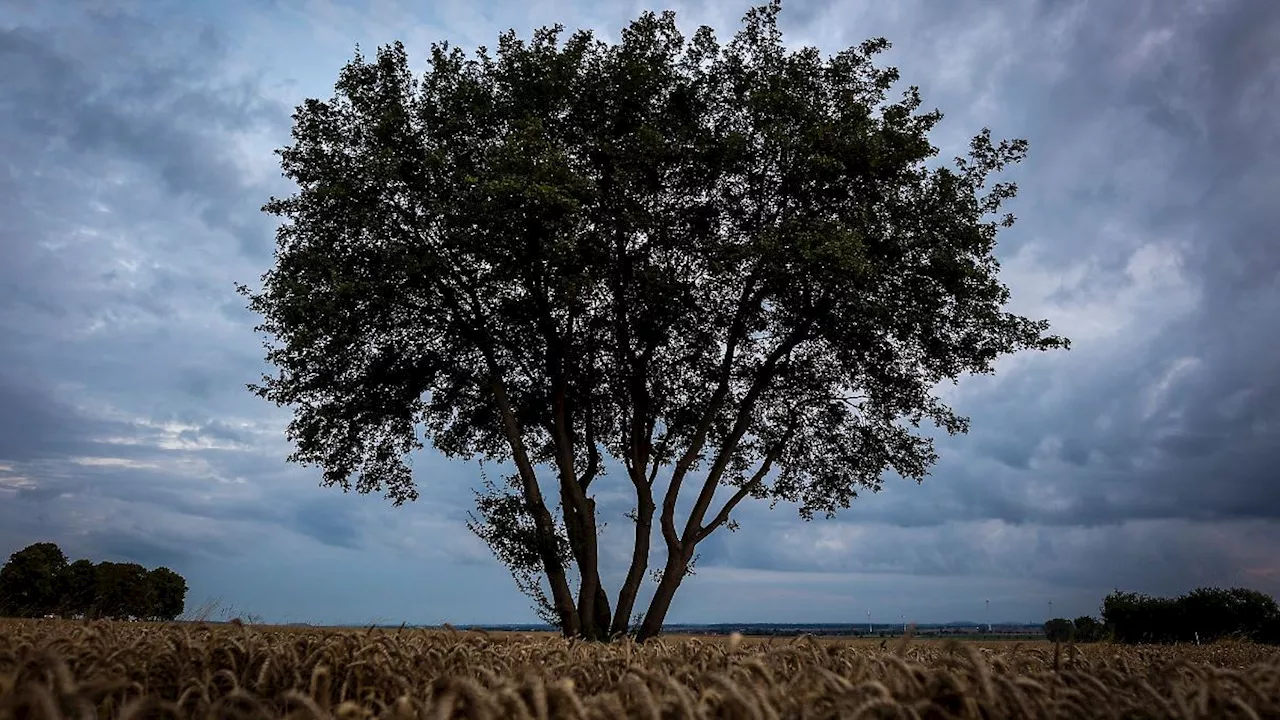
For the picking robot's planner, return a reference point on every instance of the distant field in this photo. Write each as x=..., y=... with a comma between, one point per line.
x=65, y=669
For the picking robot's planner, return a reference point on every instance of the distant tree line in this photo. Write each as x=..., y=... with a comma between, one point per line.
x=37, y=581
x=1082, y=629
x=1202, y=615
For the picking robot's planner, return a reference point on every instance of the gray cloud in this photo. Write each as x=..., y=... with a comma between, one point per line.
x=1146, y=235
x=1159, y=556
x=136, y=149
x=1192, y=416
x=127, y=358
x=33, y=425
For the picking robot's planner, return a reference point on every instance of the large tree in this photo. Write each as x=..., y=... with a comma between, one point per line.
x=122, y=591
x=30, y=582
x=167, y=592
x=724, y=269
x=79, y=588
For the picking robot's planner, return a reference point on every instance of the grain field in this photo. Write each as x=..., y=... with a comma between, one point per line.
x=101, y=671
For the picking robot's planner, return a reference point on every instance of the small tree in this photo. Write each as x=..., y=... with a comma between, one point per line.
x=122, y=591
x=1250, y=611
x=723, y=266
x=1059, y=630
x=79, y=588
x=167, y=592
x=30, y=581
x=1087, y=629
x=1205, y=614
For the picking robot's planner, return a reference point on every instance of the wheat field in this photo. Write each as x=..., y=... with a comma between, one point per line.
x=102, y=670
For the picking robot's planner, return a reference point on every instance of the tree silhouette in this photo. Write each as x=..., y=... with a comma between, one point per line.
x=30, y=581
x=37, y=581
x=168, y=594
x=726, y=266
x=79, y=588
x=122, y=590
x=1059, y=630
x=1204, y=614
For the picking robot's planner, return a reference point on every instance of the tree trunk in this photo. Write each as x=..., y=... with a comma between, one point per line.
x=593, y=601
x=580, y=521
x=543, y=522
x=639, y=559
x=672, y=575
x=602, y=614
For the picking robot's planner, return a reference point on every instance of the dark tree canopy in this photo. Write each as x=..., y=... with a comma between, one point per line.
x=121, y=590
x=37, y=581
x=1083, y=629
x=725, y=266
x=1059, y=630
x=167, y=593
x=30, y=581
x=1202, y=615
x=1088, y=629
x=80, y=588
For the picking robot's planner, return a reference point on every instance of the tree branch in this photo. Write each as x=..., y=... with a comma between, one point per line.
x=742, y=420
x=743, y=491
x=538, y=508
x=748, y=300
x=535, y=503
x=593, y=452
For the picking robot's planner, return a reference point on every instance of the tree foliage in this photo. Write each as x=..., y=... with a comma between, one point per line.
x=167, y=594
x=1088, y=629
x=37, y=581
x=121, y=590
x=1083, y=629
x=29, y=581
x=79, y=588
x=1204, y=615
x=720, y=267
x=1059, y=630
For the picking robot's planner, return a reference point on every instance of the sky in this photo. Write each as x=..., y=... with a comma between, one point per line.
x=136, y=147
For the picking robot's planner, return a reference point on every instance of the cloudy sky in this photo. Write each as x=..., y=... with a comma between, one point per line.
x=135, y=151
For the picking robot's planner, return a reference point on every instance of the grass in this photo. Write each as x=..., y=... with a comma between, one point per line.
x=103, y=670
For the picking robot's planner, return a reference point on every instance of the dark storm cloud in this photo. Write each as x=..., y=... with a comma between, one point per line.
x=1204, y=447
x=1146, y=456
x=328, y=518
x=1207, y=77
x=106, y=85
x=121, y=182
x=135, y=157
x=142, y=547
x=161, y=515
x=1168, y=556
x=33, y=425
x=99, y=513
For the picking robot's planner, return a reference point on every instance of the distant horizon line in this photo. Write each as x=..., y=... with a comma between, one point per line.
x=852, y=625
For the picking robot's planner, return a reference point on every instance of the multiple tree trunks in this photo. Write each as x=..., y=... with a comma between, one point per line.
x=715, y=265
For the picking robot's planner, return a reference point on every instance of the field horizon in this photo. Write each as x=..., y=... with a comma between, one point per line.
x=115, y=669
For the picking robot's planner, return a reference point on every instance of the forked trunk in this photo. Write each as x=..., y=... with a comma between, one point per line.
x=593, y=611
x=544, y=525
x=602, y=617
x=672, y=575
x=639, y=561
x=580, y=524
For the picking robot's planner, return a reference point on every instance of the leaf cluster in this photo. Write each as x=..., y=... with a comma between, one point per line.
x=680, y=245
